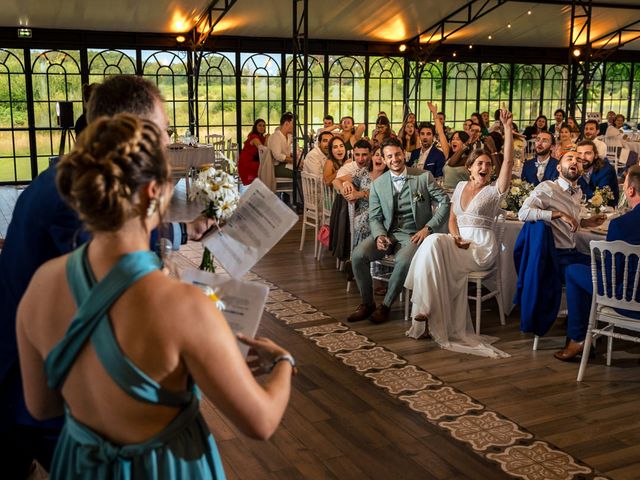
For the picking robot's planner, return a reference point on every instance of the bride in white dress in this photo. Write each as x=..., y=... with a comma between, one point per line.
x=438, y=272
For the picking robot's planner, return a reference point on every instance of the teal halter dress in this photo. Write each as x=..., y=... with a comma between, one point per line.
x=185, y=449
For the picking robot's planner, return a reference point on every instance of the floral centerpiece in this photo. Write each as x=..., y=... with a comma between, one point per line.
x=601, y=198
x=516, y=195
x=218, y=192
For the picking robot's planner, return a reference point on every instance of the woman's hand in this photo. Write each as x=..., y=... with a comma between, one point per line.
x=347, y=188
x=433, y=109
x=460, y=243
x=506, y=117
x=261, y=354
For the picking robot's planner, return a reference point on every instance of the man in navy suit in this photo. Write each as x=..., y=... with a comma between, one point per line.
x=596, y=172
x=579, y=283
x=543, y=167
x=429, y=157
x=44, y=227
x=611, y=117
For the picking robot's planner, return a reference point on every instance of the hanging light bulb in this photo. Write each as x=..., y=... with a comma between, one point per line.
x=402, y=47
x=470, y=47
x=508, y=25
x=454, y=54
x=490, y=37
x=528, y=12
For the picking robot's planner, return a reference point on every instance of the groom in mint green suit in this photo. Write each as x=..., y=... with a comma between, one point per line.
x=401, y=217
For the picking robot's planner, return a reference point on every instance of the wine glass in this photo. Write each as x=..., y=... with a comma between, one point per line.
x=170, y=132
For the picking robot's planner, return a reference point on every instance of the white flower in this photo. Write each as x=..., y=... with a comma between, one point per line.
x=515, y=190
x=503, y=204
x=516, y=182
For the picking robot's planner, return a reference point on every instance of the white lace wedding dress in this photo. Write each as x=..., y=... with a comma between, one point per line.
x=438, y=275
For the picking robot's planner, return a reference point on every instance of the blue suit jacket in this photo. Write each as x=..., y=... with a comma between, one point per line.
x=42, y=227
x=530, y=171
x=539, y=288
x=627, y=229
x=606, y=176
x=434, y=163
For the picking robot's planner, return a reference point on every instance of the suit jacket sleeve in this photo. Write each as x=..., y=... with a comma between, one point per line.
x=440, y=161
x=441, y=216
x=376, y=218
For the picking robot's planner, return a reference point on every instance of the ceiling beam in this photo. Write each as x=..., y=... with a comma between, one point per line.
x=614, y=39
x=596, y=4
x=208, y=20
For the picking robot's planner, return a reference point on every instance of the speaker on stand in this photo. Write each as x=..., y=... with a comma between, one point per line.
x=65, y=121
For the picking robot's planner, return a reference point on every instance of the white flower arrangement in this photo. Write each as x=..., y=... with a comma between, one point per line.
x=218, y=192
x=601, y=198
x=516, y=195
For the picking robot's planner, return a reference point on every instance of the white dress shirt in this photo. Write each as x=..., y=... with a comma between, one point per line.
x=280, y=146
x=400, y=183
x=553, y=195
x=314, y=162
x=542, y=166
x=423, y=157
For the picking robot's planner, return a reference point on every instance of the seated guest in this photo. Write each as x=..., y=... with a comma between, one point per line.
x=350, y=133
x=410, y=118
x=383, y=131
x=543, y=166
x=58, y=230
x=619, y=122
x=596, y=172
x=611, y=117
x=336, y=157
x=486, y=119
x=540, y=125
x=401, y=217
x=439, y=269
x=98, y=338
x=579, y=283
x=496, y=126
x=280, y=147
x=249, y=160
x=317, y=157
x=356, y=189
x=447, y=131
x=559, y=117
x=339, y=226
x=475, y=135
x=590, y=132
x=466, y=125
x=564, y=143
x=409, y=137
x=575, y=129
x=478, y=120
x=429, y=157
x=328, y=125
x=455, y=151
x=557, y=203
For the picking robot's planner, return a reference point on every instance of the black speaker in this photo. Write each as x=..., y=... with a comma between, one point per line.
x=65, y=114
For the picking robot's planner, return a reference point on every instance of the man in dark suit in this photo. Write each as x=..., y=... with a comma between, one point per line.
x=559, y=116
x=544, y=166
x=611, y=117
x=429, y=157
x=44, y=227
x=579, y=282
x=596, y=172
x=401, y=217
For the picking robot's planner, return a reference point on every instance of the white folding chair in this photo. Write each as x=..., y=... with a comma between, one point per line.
x=479, y=276
x=604, y=257
x=311, y=208
x=327, y=205
x=614, y=146
x=530, y=149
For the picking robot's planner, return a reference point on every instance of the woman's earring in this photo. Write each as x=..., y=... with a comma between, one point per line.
x=153, y=206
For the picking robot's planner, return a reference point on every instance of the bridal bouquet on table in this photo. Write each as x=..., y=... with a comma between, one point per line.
x=516, y=195
x=600, y=199
x=218, y=192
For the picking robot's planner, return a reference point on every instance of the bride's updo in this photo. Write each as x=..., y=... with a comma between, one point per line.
x=113, y=158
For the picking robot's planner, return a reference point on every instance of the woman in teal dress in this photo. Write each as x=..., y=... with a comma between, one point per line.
x=108, y=339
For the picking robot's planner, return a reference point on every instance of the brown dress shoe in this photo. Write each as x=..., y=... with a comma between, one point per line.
x=570, y=352
x=381, y=314
x=363, y=312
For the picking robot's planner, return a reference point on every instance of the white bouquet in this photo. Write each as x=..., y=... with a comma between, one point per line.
x=218, y=192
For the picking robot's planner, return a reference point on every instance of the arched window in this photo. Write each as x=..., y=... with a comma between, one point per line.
x=635, y=95
x=594, y=92
x=462, y=83
x=14, y=137
x=616, y=88
x=261, y=89
x=346, y=88
x=104, y=63
x=555, y=88
x=386, y=86
x=168, y=70
x=56, y=77
x=315, y=89
x=429, y=90
x=526, y=95
x=494, y=88
x=217, y=96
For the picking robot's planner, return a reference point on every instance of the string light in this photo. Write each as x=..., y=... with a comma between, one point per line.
x=508, y=25
x=529, y=12
x=576, y=52
x=454, y=54
x=490, y=37
x=470, y=47
x=402, y=47
x=180, y=38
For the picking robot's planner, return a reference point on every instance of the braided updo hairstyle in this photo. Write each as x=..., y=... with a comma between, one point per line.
x=113, y=159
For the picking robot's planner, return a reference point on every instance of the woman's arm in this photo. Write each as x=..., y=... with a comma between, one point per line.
x=359, y=132
x=458, y=159
x=504, y=180
x=453, y=224
x=439, y=129
x=329, y=173
x=212, y=356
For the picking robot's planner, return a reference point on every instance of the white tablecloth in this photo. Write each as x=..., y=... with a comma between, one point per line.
x=633, y=146
x=507, y=266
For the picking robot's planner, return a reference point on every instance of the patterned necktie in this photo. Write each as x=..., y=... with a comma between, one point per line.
x=398, y=178
x=572, y=190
